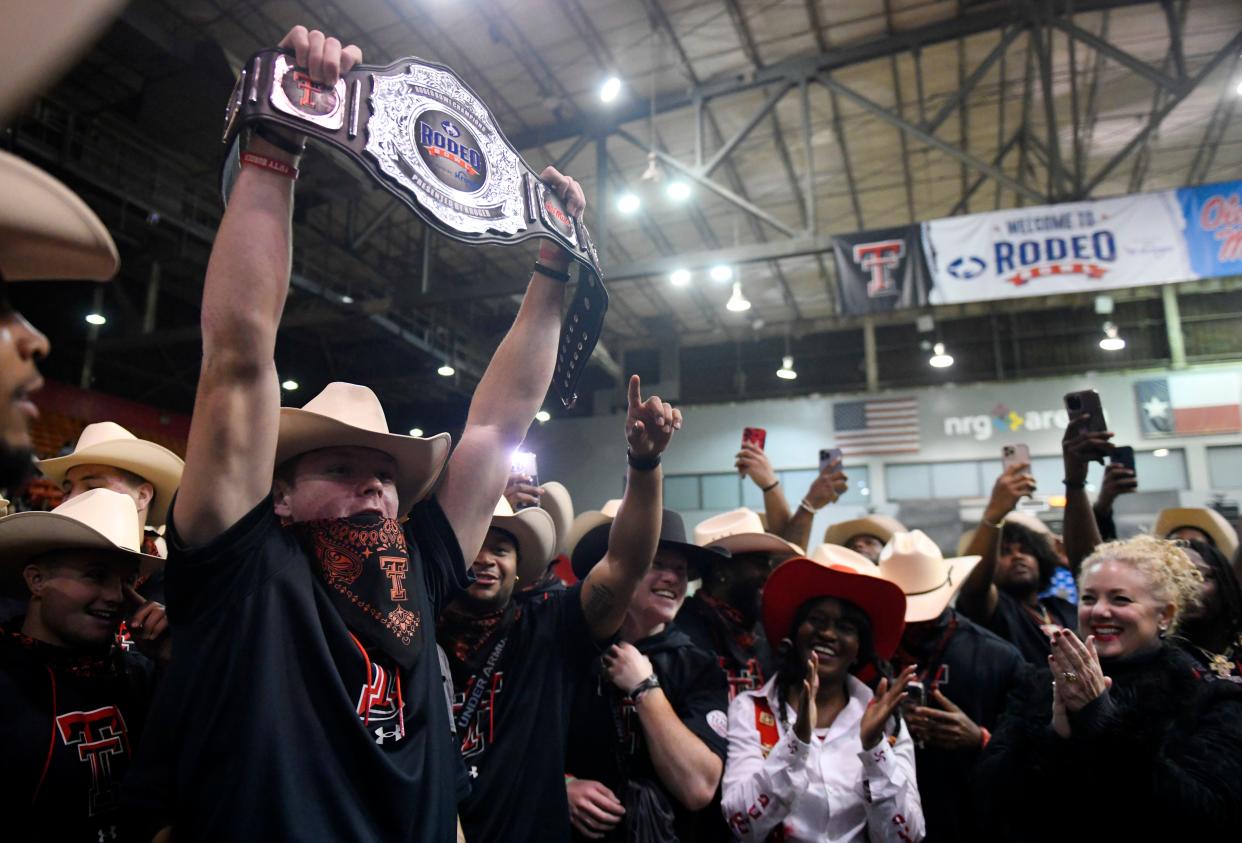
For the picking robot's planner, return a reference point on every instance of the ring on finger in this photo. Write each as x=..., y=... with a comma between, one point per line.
x=1069, y=676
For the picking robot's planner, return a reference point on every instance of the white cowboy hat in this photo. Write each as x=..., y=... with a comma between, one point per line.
x=46, y=231
x=881, y=526
x=741, y=531
x=100, y=519
x=841, y=556
x=557, y=502
x=344, y=415
x=107, y=443
x=1208, y=521
x=535, y=533
x=1022, y=519
x=41, y=41
x=588, y=521
x=914, y=562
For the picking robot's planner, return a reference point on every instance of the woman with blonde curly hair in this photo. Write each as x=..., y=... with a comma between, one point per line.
x=1122, y=716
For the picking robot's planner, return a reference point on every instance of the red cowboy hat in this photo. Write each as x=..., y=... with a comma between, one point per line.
x=800, y=579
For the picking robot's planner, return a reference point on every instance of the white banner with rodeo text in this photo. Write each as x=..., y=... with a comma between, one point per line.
x=1072, y=248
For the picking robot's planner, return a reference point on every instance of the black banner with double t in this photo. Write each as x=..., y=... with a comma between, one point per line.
x=880, y=270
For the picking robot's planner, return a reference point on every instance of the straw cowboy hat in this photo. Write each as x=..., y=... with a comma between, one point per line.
x=741, y=531
x=1023, y=519
x=100, y=519
x=881, y=526
x=849, y=577
x=535, y=533
x=588, y=521
x=1209, y=521
x=345, y=415
x=557, y=502
x=107, y=443
x=593, y=544
x=915, y=564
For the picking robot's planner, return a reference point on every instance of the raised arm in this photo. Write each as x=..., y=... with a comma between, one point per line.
x=509, y=395
x=754, y=463
x=635, y=532
x=977, y=599
x=232, y=441
x=1078, y=447
x=825, y=489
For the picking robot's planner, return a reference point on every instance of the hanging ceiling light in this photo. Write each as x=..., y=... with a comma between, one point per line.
x=677, y=190
x=628, y=202
x=416, y=431
x=610, y=89
x=1239, y=89
x=721, y=273
x=1112, y=340
x=446, y=371
x=679, y=277
x=289, y=385
x=96, y=319
x=940, y=359
x=786, y=371
x=542, y=416
x=737, y=302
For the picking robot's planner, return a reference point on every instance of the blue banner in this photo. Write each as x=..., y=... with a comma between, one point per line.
x=1213, y=217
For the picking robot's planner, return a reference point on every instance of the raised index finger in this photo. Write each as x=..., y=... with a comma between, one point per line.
x=635, y=391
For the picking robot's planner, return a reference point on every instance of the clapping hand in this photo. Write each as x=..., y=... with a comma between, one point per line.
x=888, y=695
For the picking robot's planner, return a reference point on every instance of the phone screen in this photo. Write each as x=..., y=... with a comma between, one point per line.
x=757, y=435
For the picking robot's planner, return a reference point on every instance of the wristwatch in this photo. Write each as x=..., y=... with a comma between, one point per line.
x=643, y=687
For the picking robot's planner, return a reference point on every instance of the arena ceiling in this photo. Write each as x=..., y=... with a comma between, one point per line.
x=790, y=120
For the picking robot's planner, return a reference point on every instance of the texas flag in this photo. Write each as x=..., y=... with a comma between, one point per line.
x=1189, y=404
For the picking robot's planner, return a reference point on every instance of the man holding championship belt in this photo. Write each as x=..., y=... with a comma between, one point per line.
x=310, y=551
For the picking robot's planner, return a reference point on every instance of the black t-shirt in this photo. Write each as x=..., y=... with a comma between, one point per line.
x=258, y=732
x=696, y=688
x=1021, y=626
x=69, y=726
x=514, y=745
x=747, y=668
x=978, y=672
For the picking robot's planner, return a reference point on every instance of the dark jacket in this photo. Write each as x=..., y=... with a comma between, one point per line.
x=1158, y=757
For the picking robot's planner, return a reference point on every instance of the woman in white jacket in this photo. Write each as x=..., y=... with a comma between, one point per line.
x=814, y=755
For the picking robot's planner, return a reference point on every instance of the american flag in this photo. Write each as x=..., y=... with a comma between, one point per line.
x=879, y=426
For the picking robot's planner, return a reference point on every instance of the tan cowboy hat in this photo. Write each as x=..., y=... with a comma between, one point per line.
x=1024, y=519
x=557, y=502
x=880, y=526
x=929, y=581
x=100, y=519
x=41, y=40
x=839, y=556
x=46, y=231
x=1209, y=521
x=741, y=531
x=535, y=532
x=107, y=443
x=346, y=414
x=588, y=521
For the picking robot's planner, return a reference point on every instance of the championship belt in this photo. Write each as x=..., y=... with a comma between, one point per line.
x=420, y=132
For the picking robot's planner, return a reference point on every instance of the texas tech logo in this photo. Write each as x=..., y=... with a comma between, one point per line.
x=880, y=259
x=102, y=742
x=480, y=731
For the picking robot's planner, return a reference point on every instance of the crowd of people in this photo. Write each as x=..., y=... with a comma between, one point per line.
x=316, y=629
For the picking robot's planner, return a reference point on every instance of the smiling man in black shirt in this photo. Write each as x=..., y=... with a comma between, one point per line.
x=304, y=700
x=515, y=663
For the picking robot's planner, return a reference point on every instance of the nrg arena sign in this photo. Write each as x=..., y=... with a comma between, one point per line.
x=1005, y=420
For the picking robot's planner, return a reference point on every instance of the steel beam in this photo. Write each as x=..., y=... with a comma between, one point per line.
x=838, y=129
x=734, y=256
x=968, y=84
x=1043, y=54
x=1118, y=55
x=918, y=134
x=739, y=136
x=963, y=203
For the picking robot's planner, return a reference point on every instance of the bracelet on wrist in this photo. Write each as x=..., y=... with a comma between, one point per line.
x=1000, y=522
x=551, y=272
x=643, y=687
x=769, y=487
x=270, y=164
x=803, y=505
x=1075, y=484
x=642, y=463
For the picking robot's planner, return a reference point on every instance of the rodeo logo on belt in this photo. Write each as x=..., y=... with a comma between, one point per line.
x=451, y=151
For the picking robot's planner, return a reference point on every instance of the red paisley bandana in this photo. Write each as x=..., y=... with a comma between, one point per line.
x=365, y=563
x=734, y=620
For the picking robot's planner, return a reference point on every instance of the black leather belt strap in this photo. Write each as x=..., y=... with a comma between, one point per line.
x=419, y=131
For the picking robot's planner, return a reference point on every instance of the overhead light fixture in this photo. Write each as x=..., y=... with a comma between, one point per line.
x=610, y=89
x=1112, y=340
x=940, y=359
x=1160, y=453
x=786, y=371
x=1239, y=89
x=628, y=202
x=679, y=277
x=96, y=319
x=446, y=371
x=347, y=299
x=737, y=302
x=721, y=273
x=677, y=190
x=542, y=416
x=289, y=385
x=416, y=431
